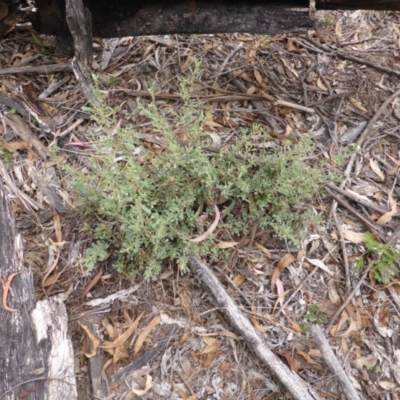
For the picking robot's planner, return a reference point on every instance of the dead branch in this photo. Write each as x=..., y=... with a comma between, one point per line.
x=345, y=56
x=293, y=383
x=333, y=363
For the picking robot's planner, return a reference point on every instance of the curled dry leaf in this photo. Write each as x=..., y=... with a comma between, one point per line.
x=283, y=263
x=263, y=249
x=365, y=362
x=320, y=264
x=238, y=280
x=333, y=294
x=212, y=345
x=281, y=292
x=294, y=325
x=343, y=318
x=121, y=339
x=52, y=279
x=12, y=147
x=93, y=339
x=307, y=357
x=388, y=216
x=6, y=287
x=376, y=169
x=142, y=337
x=147, y=387
x=258, y=76
x=301, y=254
x=354, y=237
x=210, y=230
x=350, y=330
x=92, y=283
x=387, y=385
x=383, y=330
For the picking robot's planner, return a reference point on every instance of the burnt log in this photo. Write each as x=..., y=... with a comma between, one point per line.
x=36, y=357
x=151, y=17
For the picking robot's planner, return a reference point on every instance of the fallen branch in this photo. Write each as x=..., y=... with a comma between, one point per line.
x=293, y=383
x=344, y=56
x=333, y=363
x=37, y=69
x=369, y=224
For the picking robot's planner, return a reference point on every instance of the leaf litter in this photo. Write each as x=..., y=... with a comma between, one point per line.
x=179, y=345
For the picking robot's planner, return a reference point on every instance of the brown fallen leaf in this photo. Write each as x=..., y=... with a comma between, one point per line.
x=238, y=280
x=388, y=216
x=15, y=146
x=147, y=387
x=354, y=237
x=52, y=279
x=210, y=230
x=146, y=331
x=121, y=339
x=258, y=76
x=93, y=339
x=375, y=167
x=283, y=263
x=57, y=227
x=92, y=283
x=263, y=249
x=6, y=287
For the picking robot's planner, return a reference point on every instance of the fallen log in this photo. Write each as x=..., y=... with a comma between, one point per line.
x=156, y=17
x=36, y=357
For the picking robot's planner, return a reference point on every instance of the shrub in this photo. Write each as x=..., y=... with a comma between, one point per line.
x=148, y=205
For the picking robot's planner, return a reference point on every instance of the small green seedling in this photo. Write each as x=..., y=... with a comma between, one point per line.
x=314, y=316
x=387, y=262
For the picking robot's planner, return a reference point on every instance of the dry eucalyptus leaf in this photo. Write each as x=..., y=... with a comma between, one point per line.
x=354, y=237
x=92, y=338
x=376, y=169
x=142, y=337
x=365, y=362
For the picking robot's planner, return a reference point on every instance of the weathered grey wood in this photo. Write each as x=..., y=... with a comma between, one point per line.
x=100, y=387
x=299, y=389
x=80, y=24
x=36, y=366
